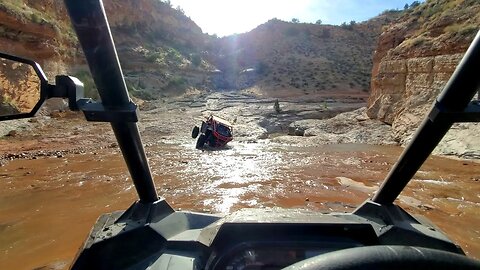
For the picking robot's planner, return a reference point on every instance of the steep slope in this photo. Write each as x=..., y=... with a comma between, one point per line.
x=416, y=56
x=152, y=39
x=300, y=57
x=159, y=47
x=38, y=30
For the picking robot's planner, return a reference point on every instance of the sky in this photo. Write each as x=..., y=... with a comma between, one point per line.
x=227, y=17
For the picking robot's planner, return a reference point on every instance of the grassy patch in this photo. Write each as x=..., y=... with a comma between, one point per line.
x=468, y=30
x=138, y=92
x=177, y=83
x=25, y=13
x=164, y=56
x=292, y=31
x=196, y=59
x=88, y=85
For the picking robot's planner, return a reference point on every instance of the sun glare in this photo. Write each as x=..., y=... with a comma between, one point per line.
x=227, y=17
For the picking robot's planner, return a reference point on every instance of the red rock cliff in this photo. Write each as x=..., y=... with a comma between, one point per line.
x=415, y=57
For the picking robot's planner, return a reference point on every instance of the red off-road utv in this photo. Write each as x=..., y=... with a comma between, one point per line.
x=215, y=131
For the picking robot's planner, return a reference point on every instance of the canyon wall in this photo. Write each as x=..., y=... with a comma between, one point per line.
x=415, y=57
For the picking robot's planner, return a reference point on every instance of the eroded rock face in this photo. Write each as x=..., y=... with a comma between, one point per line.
x=348, y=127
x=410, y=69
x=462, y=140
x=404, y=90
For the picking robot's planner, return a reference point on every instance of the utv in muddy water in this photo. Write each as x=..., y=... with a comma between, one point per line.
x=214, y=131
x=152, y=235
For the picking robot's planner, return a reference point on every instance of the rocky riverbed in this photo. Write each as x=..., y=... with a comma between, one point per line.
x=304, y=121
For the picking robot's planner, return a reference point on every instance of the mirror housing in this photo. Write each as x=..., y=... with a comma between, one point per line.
x=71, y=88
x=65, y=87
x=44, y=86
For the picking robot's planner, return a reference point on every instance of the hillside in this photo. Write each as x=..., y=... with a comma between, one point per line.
x=301, y=57
x=163, y=52
x=152, y=39
x=37, y=30
x=159, y=47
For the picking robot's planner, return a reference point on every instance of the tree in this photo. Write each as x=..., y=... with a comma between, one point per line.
x=414, y=4
x=344, y=25
x=196, y=59
x=295, y=20
x=405, y=7
x=318, y=21
x=179, y=9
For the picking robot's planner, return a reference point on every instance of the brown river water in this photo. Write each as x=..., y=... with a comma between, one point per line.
x=49, y=204
x=72, y=172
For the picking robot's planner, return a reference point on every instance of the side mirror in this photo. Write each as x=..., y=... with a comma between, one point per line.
x=23, y=87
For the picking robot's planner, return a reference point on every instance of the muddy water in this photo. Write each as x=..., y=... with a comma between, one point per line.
x=48, y=205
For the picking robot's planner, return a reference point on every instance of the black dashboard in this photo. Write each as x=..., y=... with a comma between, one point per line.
x=275, y=255
x=248, y=239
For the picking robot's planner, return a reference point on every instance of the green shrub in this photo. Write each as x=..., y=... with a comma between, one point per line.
x=138, y=92
x=292, y=31
x=196, y=59
x=177, y=82
x=88, y=85
x=154, y=56
x=346, y=26
x=433, y=10
x=143, y=94
x=35, y=18
x=174, y=55
x=414, y=4
x=468, y=30
x=261, y=68
x=418, y=40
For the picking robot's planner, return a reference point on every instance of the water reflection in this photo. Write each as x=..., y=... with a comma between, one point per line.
x=230, y=174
